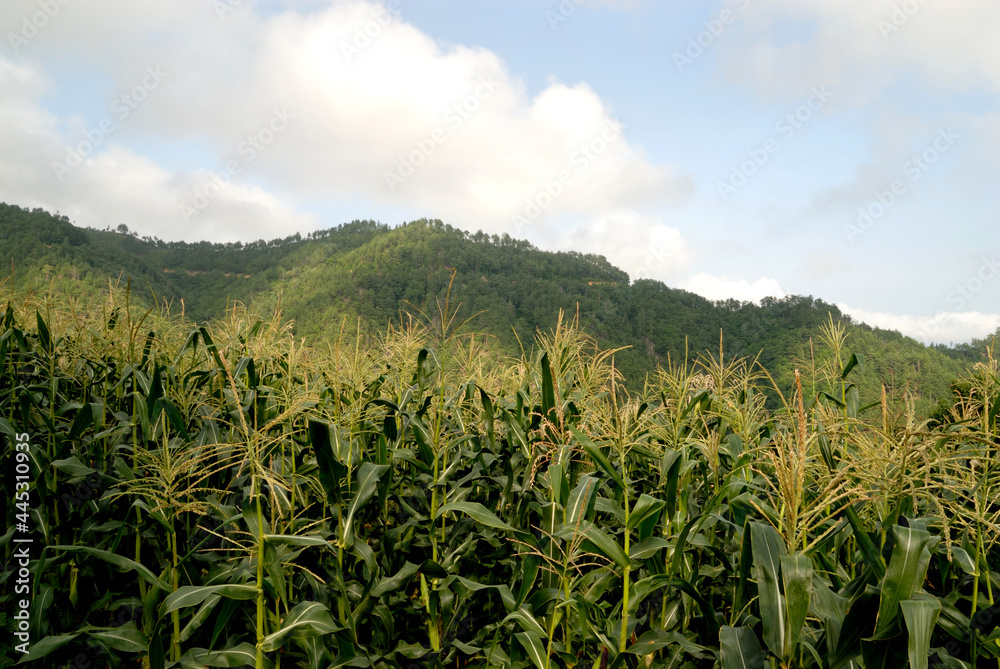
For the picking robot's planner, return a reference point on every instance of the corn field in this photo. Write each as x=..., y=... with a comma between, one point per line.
x=223, y=495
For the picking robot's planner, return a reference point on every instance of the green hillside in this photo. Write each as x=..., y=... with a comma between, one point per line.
x=370, y=273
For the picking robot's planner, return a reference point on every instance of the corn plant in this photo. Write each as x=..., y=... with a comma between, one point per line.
x=225, y=494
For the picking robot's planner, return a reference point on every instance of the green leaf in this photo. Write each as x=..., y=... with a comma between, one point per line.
x=884, y=653
x=650, y=642
x=423, y=439
x=645, y=587
x=533, y=645
x=330, y=470
x=173, y=415
x=275, y=568
x=920, y=615
x=157, y=654
x=367, y=482
x=768, y=549
x=853, y=396
x=307, y=619
x=605, y=505
x=602, y=544
x=670, y=471
x=796, y=576
x=254, y=521
x=558, y=483
x=548, y=390
x=84, y=419
x=857, y=623
x=527, y=622
x=871, y=553
x=477, y=511
x=126, y=638
x=709, y=616
x=433, y=569
x=946, y=661
x=488, y=416
x=852, y=363
x=296, y=539
x=581, y=499
x=200, y=616
x=73, y=467
x=46, y=646
x=911, y=554
x=830, y=608
x=396, y=581
x=833, y=399
x=122, y=563
x=193, y=595
x=155, y=391
x=597, y=455
x=44, y=339
x=647, y=548
x=740, y=649
x=964, y=560
x=243, y=655
x=213, y=349
x=644, y=507
x=746, y=562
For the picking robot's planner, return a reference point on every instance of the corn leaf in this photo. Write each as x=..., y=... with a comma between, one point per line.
x=477, y=511
x=920, y=615
x=307, y=619
x=740, y=649
x=532, y=643
x=911, y=554
x=796, y=576
x=193, y=595
x=768, y=549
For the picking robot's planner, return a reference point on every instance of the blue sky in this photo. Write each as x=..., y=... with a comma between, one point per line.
x=845, y=149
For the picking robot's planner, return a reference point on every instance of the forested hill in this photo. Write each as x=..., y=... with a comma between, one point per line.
x=379, y=274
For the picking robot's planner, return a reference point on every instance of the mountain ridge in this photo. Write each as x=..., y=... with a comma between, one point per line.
x=379, y=274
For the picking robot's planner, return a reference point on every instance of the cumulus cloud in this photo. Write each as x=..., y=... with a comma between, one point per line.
x=87, y=174
x=377, y=112
x=946, y=327
x=865, y=45
x=643, y=246
x=724, y=288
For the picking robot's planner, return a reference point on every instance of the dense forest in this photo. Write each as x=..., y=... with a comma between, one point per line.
x=367, y=274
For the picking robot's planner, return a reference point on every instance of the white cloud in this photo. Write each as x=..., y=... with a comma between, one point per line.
x=944, y=328
x=723, y=287
x=371, y=97
x=449, y=131
x=643, y=246
x=857, y=47
x=112, y=184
